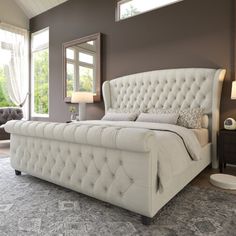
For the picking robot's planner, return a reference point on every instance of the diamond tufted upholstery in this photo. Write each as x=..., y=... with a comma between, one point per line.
x=119, y=165
x=100, y=136
x=6, y=114
x=172, y=88
x=163, y=89
x=94, y=160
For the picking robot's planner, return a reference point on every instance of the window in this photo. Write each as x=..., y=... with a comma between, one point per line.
x=5, y=55
x=13, y=66
x=129, y=8
x=40, y=73
x=81, y=68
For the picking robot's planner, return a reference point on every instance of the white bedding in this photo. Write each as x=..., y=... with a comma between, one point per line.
x=174, y=153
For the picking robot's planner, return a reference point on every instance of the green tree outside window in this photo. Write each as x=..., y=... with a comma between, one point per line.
x=4, y=97
x=40, y=60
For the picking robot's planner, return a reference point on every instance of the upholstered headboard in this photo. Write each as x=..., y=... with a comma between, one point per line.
x=172, y=88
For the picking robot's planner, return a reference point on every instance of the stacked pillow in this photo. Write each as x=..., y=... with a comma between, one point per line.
x=170, y=118
x=189, y=118
x=120, y=116
x=192, y=118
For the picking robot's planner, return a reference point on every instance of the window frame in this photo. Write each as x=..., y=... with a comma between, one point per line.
x=120, y=2
x=38, y=49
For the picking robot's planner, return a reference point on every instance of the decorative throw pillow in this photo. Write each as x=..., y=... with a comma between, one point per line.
x=120, y=116
x=159, y=118
x=189, y=118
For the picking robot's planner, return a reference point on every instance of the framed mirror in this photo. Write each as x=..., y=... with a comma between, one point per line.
x=82, y=66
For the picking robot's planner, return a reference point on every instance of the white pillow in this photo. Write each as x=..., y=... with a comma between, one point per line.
x=158, y=118
x=189, y=118
x=120, y=116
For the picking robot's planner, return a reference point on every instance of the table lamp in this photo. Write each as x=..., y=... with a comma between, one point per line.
x=82, y=98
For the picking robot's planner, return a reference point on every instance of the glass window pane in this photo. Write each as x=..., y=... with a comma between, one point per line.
x=70, y=53
x=84, y=57
x=128, y=9
x=85, y=79
x=40, y=70
x=90, y=42
x=11, y=37
x=70, y=69
x=134, y=7
x=39, y=39
x=4, y=96
x=5, y=56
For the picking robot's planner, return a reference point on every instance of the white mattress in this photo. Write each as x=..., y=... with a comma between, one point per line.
x=202, y=136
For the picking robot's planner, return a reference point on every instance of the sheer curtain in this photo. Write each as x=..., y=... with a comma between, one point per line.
x=14, y=56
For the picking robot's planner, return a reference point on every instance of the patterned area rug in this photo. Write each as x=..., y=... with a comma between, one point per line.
x=29, y=206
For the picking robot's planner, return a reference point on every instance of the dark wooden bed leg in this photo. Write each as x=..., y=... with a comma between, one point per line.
x=146, y=220
x=17, y=172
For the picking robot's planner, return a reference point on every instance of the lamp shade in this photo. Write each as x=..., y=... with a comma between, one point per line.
x=82, y=97
x=233, y=90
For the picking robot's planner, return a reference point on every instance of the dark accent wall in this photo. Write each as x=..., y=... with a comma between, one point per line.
x=192, y=33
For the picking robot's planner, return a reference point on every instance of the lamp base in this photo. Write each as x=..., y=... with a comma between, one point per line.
x=82, y=111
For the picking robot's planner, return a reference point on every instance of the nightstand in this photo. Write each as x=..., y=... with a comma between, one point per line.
x=226, y=148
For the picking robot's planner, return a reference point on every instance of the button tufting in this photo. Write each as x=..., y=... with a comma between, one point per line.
x=121, y=162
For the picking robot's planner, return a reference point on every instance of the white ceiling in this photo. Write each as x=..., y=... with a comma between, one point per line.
x=35, y=7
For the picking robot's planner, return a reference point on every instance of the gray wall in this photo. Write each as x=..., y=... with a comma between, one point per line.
x=192, y=33
x=12, y=14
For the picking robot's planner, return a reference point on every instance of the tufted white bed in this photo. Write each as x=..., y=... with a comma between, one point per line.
x=128, y=164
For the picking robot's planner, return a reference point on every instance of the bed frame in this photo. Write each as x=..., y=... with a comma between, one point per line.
x=173, y=88
x=102, y=162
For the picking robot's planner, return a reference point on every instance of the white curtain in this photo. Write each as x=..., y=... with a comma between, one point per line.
x=14, y=41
